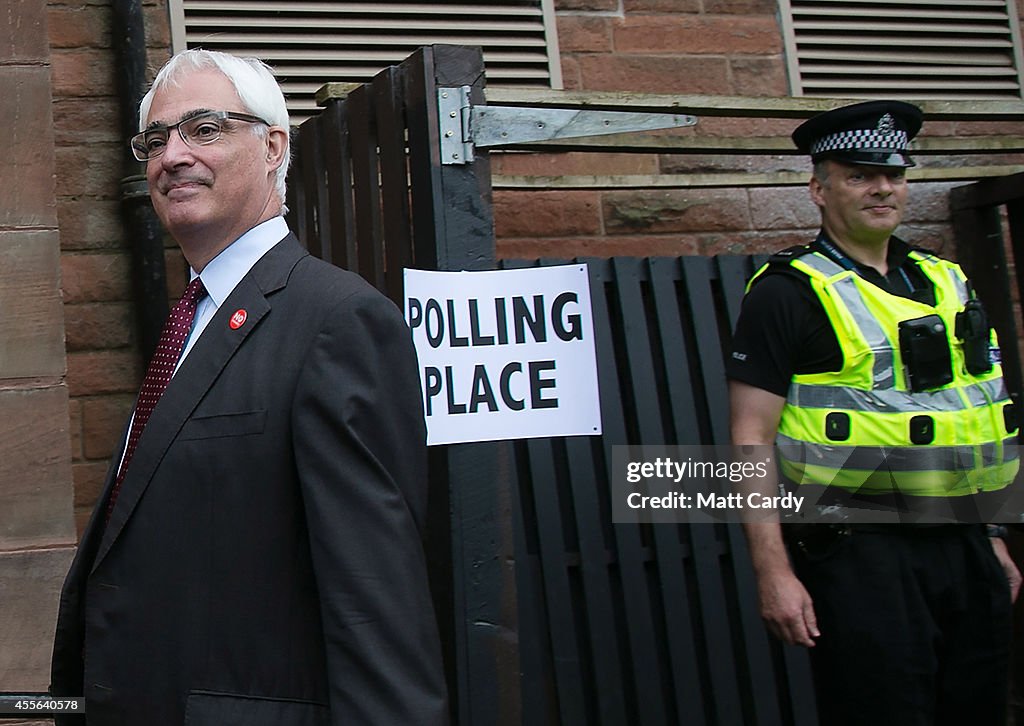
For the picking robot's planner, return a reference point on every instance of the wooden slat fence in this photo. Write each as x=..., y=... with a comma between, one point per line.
x=981, y=249
x=992, y=256
x=367, y=192
x=645, y=624
x=549, y=612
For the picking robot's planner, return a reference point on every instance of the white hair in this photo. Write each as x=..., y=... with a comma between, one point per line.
x=254, y=83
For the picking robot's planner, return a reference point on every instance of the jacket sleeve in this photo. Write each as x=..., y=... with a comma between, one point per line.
x=360, y=449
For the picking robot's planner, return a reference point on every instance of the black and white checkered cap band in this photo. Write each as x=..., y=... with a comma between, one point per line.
x=861, y=139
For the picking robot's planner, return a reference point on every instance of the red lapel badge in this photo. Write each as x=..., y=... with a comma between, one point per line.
x=238, y=319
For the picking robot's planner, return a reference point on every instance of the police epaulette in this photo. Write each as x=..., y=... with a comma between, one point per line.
x=924, y=252
x=780, y=262
x=790, y=253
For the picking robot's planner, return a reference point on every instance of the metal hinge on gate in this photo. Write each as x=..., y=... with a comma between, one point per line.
x=453, y=107
x=465, y=127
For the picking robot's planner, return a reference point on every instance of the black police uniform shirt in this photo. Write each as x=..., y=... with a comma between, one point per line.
x=783, y=329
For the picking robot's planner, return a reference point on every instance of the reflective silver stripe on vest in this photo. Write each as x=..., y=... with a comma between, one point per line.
x=897, y=458
x=959, y=285
x=844, y=398
x=821, y=263
x=882, y=373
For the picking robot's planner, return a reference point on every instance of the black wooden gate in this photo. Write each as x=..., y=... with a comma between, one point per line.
x=550, y=613
x=977, y=211
x=981, y=248
x=649, y=624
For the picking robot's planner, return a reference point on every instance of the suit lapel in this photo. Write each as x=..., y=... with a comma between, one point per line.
x=211, y=352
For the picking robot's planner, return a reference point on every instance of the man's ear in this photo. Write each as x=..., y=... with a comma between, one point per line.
x=277, y=146
x=815, y=187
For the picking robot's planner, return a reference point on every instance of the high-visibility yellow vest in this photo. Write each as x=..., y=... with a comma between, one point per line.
x=861, y=428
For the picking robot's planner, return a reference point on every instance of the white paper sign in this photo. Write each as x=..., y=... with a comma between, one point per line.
x=506, y=354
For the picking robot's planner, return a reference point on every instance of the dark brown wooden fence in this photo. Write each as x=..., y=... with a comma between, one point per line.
x=979, y=211
x=981, y=246
x=368, y=192
x=649, y=624
x=550, y=613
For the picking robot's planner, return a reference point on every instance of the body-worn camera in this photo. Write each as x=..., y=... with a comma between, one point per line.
x=924, y=346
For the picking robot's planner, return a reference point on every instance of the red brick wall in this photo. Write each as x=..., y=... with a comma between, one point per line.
x=37, y=535
x=666, y=46
x=104, y=366
x=672, y=46
x=725, y=47
x=714, y=47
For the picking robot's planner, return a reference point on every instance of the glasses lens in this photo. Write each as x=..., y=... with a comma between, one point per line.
x=201, y=130
x=149, y=144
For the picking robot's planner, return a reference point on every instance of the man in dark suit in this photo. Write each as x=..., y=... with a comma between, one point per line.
x=256, y=556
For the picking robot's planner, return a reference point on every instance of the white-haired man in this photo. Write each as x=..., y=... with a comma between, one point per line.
x=256, y=555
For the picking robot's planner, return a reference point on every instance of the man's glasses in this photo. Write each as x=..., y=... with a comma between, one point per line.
x=199, y=130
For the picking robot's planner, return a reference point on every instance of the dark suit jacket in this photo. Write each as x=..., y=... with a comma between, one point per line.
x=263, y=564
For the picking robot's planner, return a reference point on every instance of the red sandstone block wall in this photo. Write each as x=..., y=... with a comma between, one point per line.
x=731, y=47
x=37, y=534
x=104, y=365
x=724, y=47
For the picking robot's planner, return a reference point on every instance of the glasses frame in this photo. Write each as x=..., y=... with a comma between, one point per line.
x=138, y=141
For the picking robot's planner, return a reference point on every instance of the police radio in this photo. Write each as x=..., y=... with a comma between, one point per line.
x=972, y=329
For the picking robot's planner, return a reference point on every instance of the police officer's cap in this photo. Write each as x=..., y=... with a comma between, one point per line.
x=876, y=133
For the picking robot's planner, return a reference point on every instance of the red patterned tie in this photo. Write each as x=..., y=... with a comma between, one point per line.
x=161, y=368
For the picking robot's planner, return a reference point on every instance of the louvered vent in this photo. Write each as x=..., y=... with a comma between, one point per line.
x=918, y=49
x=312, y=43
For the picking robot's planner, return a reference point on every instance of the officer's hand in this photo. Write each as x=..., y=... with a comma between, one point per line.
x=1013, y=576
x=787, y=609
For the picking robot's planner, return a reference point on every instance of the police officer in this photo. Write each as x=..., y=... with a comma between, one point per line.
x=858, y=340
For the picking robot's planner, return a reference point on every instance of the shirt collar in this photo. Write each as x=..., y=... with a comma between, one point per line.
x=896, y=253
x=226, y=270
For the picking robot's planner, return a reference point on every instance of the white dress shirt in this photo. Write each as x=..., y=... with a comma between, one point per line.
x=223, y=273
